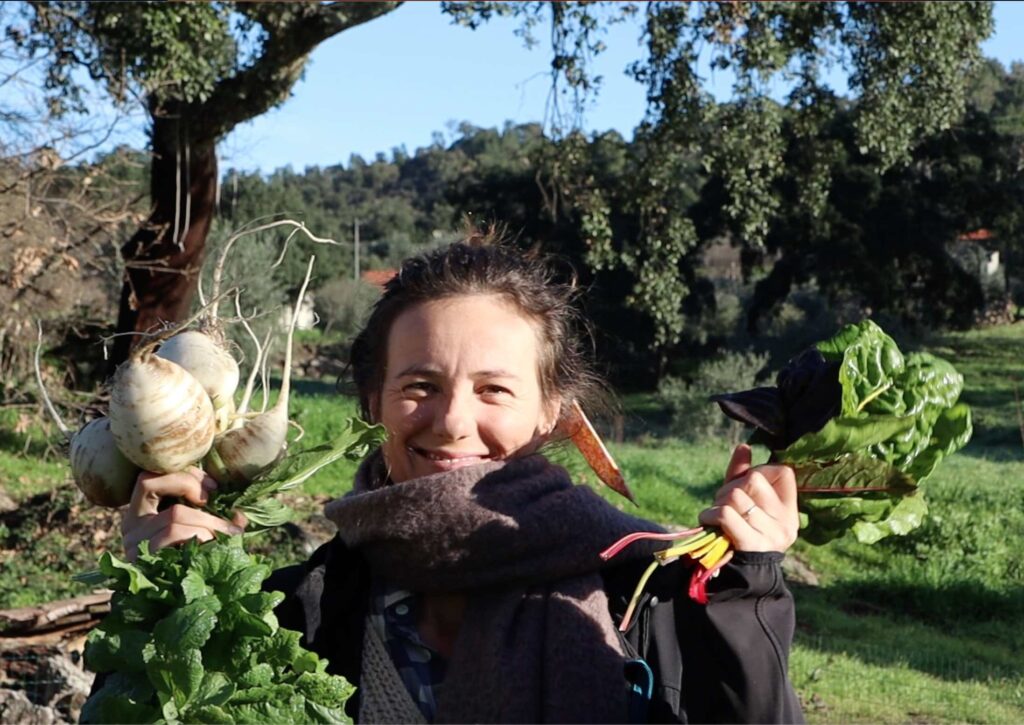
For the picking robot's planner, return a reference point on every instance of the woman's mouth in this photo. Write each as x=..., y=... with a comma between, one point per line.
x=446, y=461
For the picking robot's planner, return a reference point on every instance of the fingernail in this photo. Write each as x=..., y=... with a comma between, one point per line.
x=234, y=531
x=208, y=484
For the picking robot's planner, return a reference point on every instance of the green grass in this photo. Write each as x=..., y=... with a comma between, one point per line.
x=921, y=628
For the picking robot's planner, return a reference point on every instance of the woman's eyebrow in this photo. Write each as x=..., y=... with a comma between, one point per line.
x=495, y=374
x=416, y=369
x=431, y=371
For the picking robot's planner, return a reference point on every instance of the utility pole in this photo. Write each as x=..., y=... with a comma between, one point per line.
x=356, y=246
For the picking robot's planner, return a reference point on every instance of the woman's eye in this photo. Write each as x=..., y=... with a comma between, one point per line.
x=418, y=389
x=495, y=390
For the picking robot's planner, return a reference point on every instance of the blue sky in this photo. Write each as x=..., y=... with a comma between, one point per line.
x=398, y=80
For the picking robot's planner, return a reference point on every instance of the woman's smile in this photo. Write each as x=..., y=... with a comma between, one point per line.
x=461, y=387
x=448, y=461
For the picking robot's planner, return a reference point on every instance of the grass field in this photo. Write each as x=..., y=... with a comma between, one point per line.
x=922, y=628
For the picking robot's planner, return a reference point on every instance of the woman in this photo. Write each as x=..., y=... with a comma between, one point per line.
x=464, y=583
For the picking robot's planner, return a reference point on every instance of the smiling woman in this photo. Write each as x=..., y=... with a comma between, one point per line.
x=465, y=583
x=461, y=387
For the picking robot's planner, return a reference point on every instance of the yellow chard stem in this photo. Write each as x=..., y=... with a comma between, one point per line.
x=874, y=394
x=716, y=552
x=636, y=596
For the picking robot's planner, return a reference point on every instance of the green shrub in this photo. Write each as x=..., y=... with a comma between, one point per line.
x=693, y=417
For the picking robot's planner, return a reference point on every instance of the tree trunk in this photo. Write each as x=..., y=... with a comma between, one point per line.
x=164, y=256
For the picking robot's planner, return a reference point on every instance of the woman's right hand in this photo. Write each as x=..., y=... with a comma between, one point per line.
x=143, y=520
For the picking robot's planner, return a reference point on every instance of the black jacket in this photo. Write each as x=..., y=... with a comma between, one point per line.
x=721, y=662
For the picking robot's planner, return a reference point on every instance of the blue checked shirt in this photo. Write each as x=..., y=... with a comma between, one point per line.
x=393, y=614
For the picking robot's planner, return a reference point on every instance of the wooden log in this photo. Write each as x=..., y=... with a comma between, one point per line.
x=51, y=616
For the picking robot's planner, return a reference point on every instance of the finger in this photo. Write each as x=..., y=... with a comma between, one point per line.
x=739, y=463
x=179, y=535
x=783, y=480
x=192, y=484
x=240, y=520
x=738, y=529
x=149, y=527
x=739, y=500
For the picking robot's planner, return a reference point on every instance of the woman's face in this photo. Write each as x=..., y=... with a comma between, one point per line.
x=461, y=387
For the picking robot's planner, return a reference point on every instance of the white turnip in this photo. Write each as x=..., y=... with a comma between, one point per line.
x=99, y=468
x=161, y=418
x=203, y=354
x=243, y=453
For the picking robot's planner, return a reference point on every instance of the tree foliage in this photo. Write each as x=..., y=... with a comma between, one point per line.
x=200, y=69
x=906, y=66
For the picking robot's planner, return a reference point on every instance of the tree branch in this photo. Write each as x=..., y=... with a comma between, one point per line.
x=269, y=79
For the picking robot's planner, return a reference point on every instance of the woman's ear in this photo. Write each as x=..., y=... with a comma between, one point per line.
x=552, y=416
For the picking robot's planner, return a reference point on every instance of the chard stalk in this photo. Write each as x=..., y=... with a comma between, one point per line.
x=874, y=394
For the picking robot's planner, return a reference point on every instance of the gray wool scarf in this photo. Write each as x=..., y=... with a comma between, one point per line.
x=537, y=643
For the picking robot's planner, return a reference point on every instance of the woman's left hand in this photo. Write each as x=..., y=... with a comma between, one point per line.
x=757, y=507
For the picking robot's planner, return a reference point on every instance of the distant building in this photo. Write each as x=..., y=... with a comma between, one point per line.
x=378, y=277
x=976, y=254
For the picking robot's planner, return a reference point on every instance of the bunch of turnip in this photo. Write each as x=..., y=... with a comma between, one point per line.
x=172, y=405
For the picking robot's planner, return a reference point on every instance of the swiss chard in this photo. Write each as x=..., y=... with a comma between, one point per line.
x=861, y=424
x=869, y=425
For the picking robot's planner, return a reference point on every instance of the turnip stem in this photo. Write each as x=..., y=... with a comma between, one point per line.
x=67, y=432
x=218, y=270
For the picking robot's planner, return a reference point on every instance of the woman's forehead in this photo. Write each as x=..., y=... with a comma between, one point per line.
x=483, y=332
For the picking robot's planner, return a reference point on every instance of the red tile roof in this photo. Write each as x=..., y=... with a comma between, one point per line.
x=378, y=277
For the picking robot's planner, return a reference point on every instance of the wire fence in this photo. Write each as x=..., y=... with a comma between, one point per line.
x=42, y=685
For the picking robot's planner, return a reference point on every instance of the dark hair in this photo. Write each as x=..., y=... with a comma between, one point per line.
x=484, y=263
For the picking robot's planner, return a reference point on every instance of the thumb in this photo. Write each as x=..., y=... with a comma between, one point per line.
x=739, y=463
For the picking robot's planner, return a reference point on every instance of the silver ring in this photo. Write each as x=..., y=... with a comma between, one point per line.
x=746, y=514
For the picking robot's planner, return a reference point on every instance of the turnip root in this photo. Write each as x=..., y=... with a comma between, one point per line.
x=161, y=418
x=202, y=353
x=99, y=468
x=240, y=455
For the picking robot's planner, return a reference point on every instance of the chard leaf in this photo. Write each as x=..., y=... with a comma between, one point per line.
x=950, y=433
x=759, y=407
x=841, y=436
x=850, y=471
x=867, y=374
x=906, y=515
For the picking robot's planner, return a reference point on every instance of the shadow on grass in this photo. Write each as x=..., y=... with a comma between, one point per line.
x=956, y=633
x=15, y=444
x=1007, y=449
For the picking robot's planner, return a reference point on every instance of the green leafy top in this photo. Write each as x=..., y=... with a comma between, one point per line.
x=192, y=636
x=860, y=459
x=257, y=501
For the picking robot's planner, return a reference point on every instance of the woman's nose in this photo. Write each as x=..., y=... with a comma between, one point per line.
x=454, y=417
